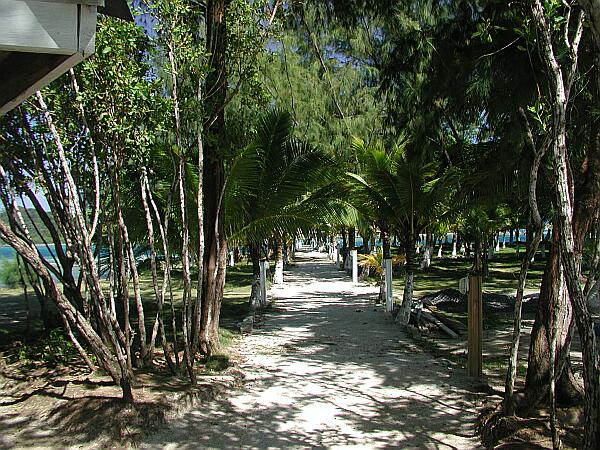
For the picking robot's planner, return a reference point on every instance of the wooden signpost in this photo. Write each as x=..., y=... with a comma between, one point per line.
x=475, y=346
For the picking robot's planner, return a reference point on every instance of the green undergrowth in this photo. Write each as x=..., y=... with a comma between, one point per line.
x=52, y=349
x=221, y=360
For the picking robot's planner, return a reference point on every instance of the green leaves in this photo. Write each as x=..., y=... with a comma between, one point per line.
x=398, y=191
x=270, y=185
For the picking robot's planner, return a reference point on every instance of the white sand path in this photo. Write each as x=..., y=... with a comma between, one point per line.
x=326, y=370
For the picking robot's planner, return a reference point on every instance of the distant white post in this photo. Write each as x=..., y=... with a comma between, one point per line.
x=354, y=254
x=454, y=243
x=231, y=258
x=263, y=282
x=336, y=253
x=389, y=297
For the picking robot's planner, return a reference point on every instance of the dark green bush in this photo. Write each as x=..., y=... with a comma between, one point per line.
x=10, y=276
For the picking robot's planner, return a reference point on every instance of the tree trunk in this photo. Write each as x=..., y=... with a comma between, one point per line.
x=409, y=250
x=344, y=249
x=117, y=371
x=351, y=246
x=561, y=83
x=553, y=292
x=215, y=250
x=186, y=313
x=255, y=289
x=109, y=327
x=159, y=327
x=537, y=229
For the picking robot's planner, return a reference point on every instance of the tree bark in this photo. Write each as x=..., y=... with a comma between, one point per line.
x=537, y=229
x=561, y=84
x=553, y=292
x=255, y=289
x=105, y=358
x=159, y=327
x=215, y=250
x=403, y=316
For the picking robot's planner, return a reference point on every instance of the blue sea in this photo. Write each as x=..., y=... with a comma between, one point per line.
x=7, y=254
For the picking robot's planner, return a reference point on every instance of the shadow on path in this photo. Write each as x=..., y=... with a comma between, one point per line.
x=327, y=369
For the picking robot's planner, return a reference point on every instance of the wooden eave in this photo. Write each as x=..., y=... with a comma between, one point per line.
x=42, y=39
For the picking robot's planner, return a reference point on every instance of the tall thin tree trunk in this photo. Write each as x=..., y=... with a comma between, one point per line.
x=215, y=252
x=185, y=238
x=561, y=84
x=403, y=316
x=159, y=327
x=537, y=229
x=110, y=328
x=255, y=289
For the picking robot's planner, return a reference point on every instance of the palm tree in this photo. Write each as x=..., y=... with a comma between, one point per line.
x=374, y=262
x=277, y=188
x=406, y=194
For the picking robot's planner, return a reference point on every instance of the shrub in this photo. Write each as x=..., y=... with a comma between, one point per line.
x=10, y=275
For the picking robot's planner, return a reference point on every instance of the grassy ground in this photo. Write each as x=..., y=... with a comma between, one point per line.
x=16, y=332
x=445, y=273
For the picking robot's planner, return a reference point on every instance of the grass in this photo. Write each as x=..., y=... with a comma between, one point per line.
x=499, y=364
x=445, y=273
x=234, y=308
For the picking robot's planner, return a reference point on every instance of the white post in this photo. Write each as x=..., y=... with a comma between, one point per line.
x=439, y=255
x=389, y=297
x=498, y=244
x=278, y=278
x=263, y=282
x=504, y=240
x=454, y=242
x=354, y=254
x=231, y=259
x=336, y=252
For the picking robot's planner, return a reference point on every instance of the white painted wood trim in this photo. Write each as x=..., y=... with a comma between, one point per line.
x=87, y=30
x=39, y=27
x=77, y=2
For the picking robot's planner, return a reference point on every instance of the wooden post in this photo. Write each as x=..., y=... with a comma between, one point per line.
x=475, y=349
x=263, y=282
x=354, y=254
x=389, y=297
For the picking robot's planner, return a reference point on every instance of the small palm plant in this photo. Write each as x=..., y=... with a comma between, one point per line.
x=374, y=262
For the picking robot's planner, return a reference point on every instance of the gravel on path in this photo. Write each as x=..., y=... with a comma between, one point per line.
x=328, y=369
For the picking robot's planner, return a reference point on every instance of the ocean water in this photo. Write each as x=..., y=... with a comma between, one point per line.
x=7, y=254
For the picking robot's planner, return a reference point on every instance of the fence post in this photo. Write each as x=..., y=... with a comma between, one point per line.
x=354, y=254
x=263, y=282
x=475, y=353
x=389, y=296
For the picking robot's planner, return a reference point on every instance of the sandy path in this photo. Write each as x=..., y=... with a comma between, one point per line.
x=327, y=371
